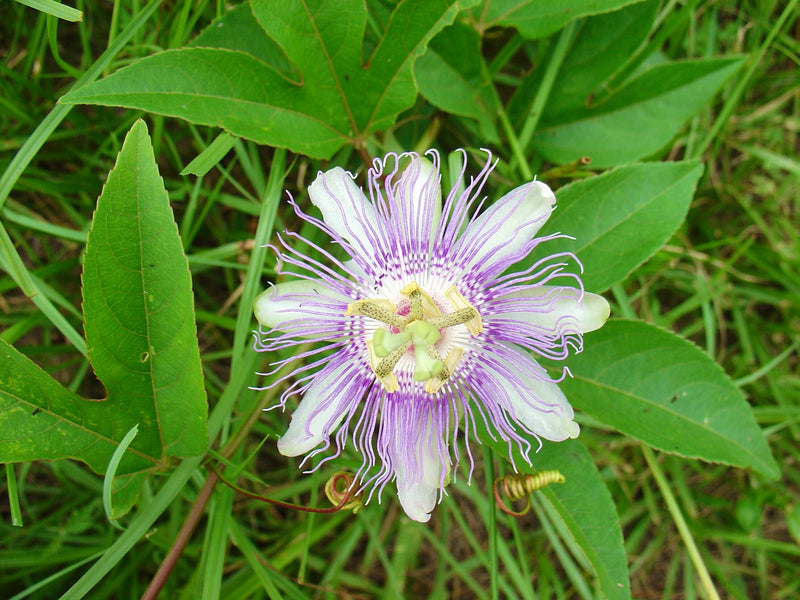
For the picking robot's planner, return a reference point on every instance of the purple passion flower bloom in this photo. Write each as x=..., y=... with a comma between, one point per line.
x=424, y=327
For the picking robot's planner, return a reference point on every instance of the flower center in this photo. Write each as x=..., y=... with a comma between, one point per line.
x=419, y=328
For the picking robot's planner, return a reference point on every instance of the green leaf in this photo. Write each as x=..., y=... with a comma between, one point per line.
x=137, y=302
x=141, y=340
x=54, y=8
x=450, y=77
x=587, y=509
x=536, y=19
x=42, y=420
x=636, y=121
x=603, y=45
x=329, y=99
x=584, y=504
x=238, y=29
x=661, y=389
x=621, y=218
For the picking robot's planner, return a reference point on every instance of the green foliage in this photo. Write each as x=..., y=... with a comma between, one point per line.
x=140, y=334
x=584, y=505
x=56, y=9
x=536, y=19
x=330, y=99
x=621, y=218
x=685, y=404
x=641, y=117
x=451, y=77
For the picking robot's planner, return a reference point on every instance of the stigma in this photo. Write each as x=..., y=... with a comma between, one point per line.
x=417, y=331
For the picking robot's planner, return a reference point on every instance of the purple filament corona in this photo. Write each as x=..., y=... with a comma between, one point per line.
x=461, y=329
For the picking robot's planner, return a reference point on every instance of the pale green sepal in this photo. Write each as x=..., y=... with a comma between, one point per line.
x=282, y=303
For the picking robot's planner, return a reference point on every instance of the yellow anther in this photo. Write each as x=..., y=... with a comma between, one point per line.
x=413, y=291
x=388, y=380
x=453, y=357
x=475, y=324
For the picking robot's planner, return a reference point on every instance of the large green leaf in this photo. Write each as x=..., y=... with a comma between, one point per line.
x=636, y=121
x=450, y=76
x=661, y=389
x=603, y=44
x=538, y=18
x=621, y=218
x=584, y=504
x=140, y=334
x=238, y=29
x=328, y=99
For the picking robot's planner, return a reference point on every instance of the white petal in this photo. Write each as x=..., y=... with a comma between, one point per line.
x=513, y=220
x=345, y=208
x=418, y=470
x=593, y=312
x=426, y=192
x=539, y=405
x=590, y=312
x=283, y=302
x=423, y=176
x=319, y=413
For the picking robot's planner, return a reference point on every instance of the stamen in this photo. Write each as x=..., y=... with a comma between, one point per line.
x=413, y=291
x=453, y=357
x=388, y=381
x=386, y=366
x=475, y=325
x=459, y=317
x=380, y=310
x=421, y=328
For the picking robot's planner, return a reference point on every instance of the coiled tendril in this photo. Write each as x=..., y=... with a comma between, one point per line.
x=516, y=487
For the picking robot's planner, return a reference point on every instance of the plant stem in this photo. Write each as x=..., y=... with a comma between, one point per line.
x=184, y=535
x=563, y=45
x=680, y=523
x=733, y=100
x=492, y=524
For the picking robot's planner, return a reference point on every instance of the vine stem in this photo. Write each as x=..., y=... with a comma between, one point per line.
x=680, y=523
x=215, y=421
x=183, y=537
x=491, y=525
x=199, y=506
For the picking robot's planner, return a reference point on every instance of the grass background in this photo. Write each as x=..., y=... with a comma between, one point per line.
x=729, y=280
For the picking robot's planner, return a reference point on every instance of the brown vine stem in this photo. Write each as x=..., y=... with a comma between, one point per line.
x=183, y=537
x=199, y=506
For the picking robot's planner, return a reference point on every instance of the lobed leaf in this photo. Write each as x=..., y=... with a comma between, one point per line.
x=141, y=340
x=237, y=29
x=661, y=389
x=325, y=98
